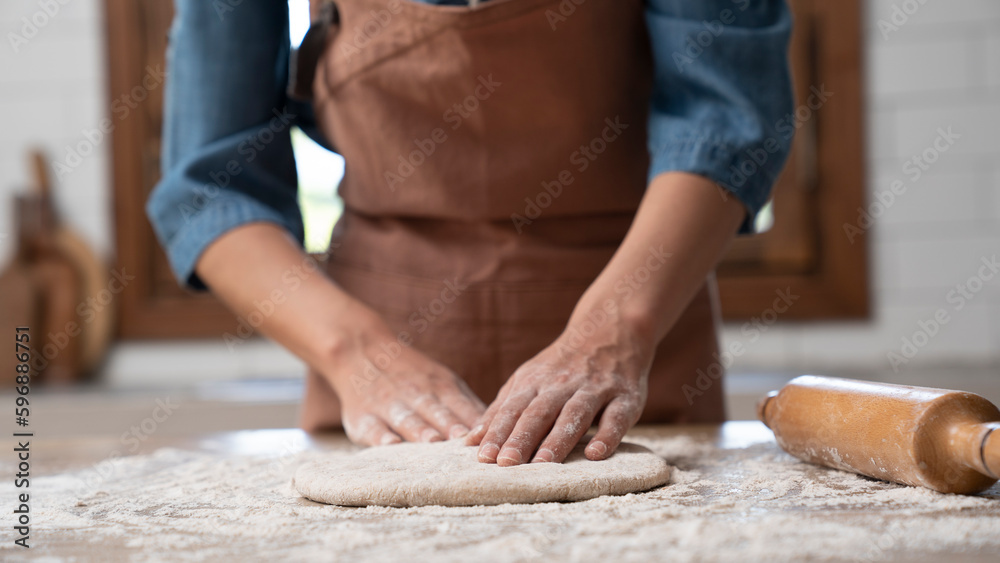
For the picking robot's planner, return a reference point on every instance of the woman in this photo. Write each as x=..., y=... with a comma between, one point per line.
x=536, y=195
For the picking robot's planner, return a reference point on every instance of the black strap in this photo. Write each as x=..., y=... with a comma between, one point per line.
x=303, y=61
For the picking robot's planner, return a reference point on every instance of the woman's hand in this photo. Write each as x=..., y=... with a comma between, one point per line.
x=390, y=392
x=682, y=229
x=550, y=402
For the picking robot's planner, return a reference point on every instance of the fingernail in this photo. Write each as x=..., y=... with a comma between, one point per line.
x=510, y=455
x=477, y=429
x=388, y=439
x=488, y=452
x=430, y=435
x=543, y=456
x=599, y=448
x=457, y=431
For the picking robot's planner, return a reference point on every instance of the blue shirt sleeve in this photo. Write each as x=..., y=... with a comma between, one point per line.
x=722, y=88
x=227, y=155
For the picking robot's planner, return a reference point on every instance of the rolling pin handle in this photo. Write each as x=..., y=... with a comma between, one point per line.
x=762, y=407
x=989, y=451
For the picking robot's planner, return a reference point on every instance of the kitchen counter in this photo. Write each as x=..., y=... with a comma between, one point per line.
x=734, y=496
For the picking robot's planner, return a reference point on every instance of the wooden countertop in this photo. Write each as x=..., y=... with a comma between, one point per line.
x=734, y=495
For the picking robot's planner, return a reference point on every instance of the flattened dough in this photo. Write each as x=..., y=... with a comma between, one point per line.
x=448, y=474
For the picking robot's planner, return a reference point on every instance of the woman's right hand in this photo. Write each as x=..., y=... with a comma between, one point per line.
x=390, y=392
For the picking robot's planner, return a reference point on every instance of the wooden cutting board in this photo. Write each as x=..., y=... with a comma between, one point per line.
x=97, y=322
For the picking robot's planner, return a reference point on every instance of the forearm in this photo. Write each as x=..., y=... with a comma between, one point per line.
x=258, y=267
x=682, y=229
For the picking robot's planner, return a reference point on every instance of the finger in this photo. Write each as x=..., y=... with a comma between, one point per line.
x=573, y=423
x=432, y=410
x=410, y=425
x=531, y=427
x=502, y=425
x=478, y=431
x=619, y=416
x=368, y=430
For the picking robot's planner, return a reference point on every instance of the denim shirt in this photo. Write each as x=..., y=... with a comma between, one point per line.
x=721, y=91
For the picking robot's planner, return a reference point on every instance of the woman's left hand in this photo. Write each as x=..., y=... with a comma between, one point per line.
x=600, y=364
x=550, y=402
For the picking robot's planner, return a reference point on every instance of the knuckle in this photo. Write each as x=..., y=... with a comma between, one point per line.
x=589, y=398
x=562, y=445
x=576, y=421
x=522, y=396
x=507, y=414
x=414, y=422
x=503, y=423
x=549, y=395
x=442, y=416
x=424, y=400
x=560, y=378
x=621, y=414
x=522, y=438
x=493, y=431
x=492, y=438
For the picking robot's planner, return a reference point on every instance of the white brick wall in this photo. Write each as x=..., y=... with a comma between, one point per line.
x=941, y=68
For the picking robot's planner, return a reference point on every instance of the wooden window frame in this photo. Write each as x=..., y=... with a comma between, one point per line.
x=827, y=167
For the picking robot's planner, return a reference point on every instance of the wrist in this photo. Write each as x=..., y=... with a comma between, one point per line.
x=622, y=322
x=348, y=334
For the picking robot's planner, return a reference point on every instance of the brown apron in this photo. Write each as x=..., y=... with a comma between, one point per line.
x=495, y=159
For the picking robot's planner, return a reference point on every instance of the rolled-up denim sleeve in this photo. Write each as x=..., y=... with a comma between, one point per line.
x=722, y=93
x=227, y=156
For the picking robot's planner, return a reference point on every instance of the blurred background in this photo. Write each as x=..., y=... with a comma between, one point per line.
x=876, y=258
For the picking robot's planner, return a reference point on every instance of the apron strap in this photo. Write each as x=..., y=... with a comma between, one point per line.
x=303, y=61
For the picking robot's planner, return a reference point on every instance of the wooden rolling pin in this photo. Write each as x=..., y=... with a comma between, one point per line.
x=935, y=438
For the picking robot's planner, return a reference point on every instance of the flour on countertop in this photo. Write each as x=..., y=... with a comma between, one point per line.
x=751, y=504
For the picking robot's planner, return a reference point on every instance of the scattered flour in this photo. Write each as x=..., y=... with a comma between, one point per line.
x=749, y=504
